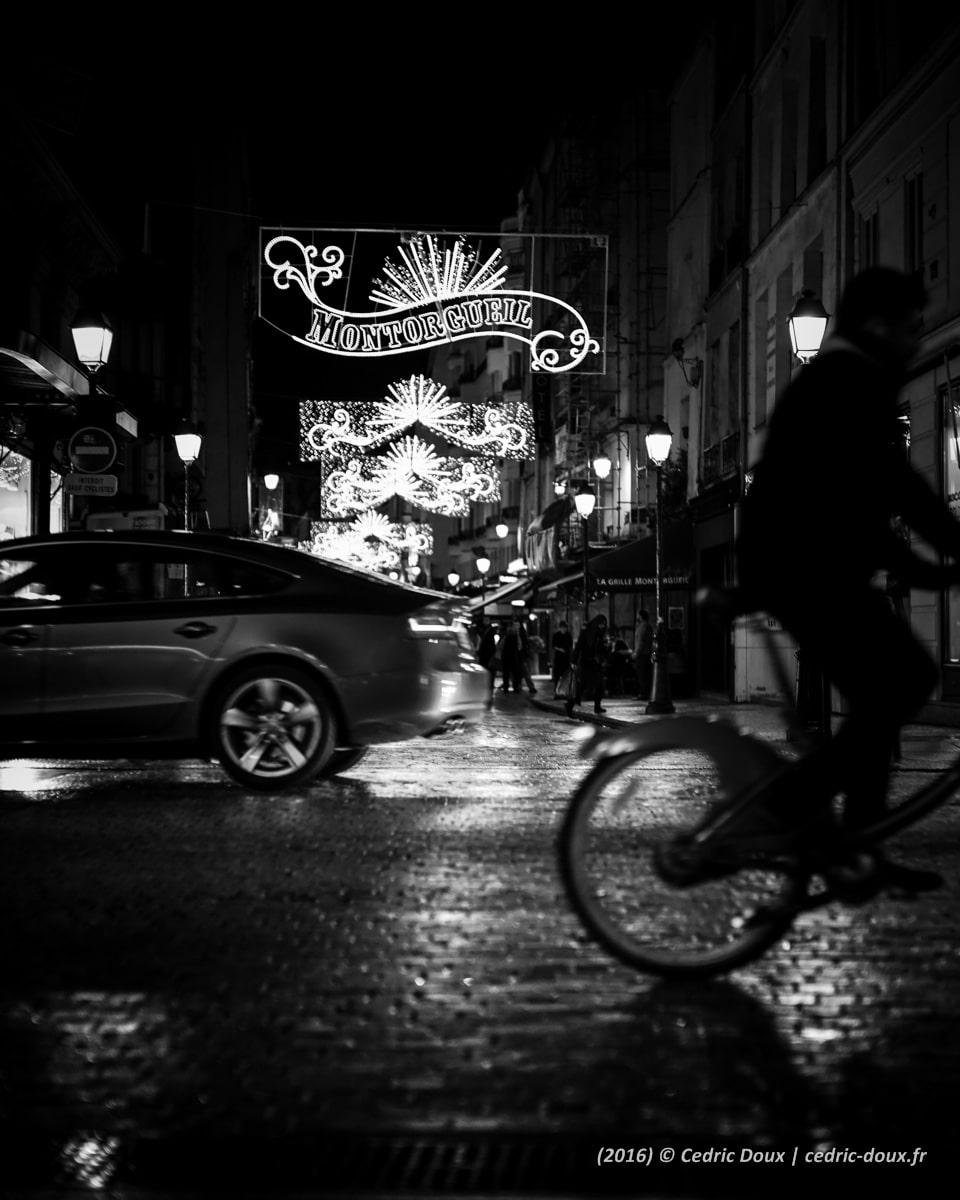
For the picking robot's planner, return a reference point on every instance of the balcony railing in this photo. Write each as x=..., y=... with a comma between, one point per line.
x=721, y=460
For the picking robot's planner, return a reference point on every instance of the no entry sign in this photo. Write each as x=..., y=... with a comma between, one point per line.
x=92, y=450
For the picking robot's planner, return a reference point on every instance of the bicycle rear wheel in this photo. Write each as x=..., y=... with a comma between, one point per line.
x=625, y=812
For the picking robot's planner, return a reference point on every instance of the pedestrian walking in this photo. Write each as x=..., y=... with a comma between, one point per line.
x=590, y=658
x=643, y=655
x=513, y=657
x=561, y=646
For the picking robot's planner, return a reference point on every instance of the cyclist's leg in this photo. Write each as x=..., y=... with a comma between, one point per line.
x=886, y=675
x=875, y=662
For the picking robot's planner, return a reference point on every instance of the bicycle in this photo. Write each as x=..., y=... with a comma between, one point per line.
x=651, y=864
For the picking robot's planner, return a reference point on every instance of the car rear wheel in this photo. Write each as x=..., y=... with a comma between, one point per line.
x=273, y=728
x=343, y=758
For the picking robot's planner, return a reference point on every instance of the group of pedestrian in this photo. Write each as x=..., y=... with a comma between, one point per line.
x=599, y=651
x=506, y=650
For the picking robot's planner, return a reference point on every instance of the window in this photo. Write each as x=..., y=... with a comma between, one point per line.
x=913, y=224
x=950, y=427
x=869, y=240
x=817, y=110
x=761, y=335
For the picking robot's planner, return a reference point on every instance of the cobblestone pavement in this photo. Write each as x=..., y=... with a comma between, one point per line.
x=376, y=986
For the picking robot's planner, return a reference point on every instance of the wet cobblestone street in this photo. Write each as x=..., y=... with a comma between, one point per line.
x=377, y=985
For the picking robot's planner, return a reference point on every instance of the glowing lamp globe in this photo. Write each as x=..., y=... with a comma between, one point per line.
x=659, y=439
x=807, y=324
x=188, y=445
x=92, y=339
x=585, y=501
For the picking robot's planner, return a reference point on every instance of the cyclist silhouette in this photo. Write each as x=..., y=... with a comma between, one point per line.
x=809, y=548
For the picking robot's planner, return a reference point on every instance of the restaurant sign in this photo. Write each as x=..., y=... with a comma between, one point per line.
x=431, y=289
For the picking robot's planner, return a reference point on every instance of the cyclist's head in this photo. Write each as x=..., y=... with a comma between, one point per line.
x=882, y=310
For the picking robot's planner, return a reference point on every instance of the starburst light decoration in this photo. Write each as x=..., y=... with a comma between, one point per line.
x=370, y=540
x=429, y=272
x=333, y=430
x=413, y=469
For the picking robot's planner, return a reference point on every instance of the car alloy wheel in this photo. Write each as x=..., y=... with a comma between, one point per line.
x=274, y=728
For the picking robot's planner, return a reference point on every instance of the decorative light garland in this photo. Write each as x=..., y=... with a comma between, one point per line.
x=411, y=468
x=370, y=540
x=335, y=429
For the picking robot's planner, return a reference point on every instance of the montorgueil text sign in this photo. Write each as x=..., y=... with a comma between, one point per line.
x=431, y=289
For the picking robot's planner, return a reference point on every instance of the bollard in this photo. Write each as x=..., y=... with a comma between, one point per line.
x=660, y=701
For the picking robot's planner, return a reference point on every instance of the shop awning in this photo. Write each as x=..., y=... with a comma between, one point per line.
x=32, y=374
x=509, y=591
x=634, y=565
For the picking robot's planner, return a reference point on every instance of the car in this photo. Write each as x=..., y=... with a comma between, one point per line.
x=282, y=666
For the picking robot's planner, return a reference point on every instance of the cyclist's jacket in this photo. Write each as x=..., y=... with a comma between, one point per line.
x=834, y=475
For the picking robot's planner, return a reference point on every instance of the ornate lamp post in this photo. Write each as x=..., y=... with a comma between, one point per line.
x=807, y=325
x=585, y=501
x=188, y=448
x=659, y=439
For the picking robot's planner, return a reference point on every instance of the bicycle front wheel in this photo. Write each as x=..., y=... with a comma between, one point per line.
x=626, y=813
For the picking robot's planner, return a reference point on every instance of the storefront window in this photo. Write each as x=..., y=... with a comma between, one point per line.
x=15, y=496
x=951, y=485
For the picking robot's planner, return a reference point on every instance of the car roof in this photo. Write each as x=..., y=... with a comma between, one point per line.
x=284, y=558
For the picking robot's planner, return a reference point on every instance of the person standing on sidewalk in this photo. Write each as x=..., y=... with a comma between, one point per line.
x=561, y=645
x=590, y=658
x=487, y=652
x=643, y=655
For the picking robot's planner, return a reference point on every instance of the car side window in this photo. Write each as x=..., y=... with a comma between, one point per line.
x=58, y=578
x=19, y=584
x=167, y=574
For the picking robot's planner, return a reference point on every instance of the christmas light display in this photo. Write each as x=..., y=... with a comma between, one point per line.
x=431, y=273
x=436, y=293
x=336, y=431
x=370, y=540
x=413, y=469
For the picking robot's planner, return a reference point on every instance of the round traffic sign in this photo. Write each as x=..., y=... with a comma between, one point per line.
x=92, y=450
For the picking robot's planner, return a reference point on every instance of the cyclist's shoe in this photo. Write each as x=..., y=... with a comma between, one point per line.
x=910, y=880
x=762, y=829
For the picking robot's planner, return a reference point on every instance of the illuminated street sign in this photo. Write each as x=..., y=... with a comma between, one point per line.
x=431, y=290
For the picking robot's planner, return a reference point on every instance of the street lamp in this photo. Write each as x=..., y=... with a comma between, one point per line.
x=453, y=578
x=271, y=480
x=659, y=439
x=502, y=529
x=807, y=324
x=188, y=447
x=92, y=338
x=483, y=566
x=602, y=466
x=585, y=501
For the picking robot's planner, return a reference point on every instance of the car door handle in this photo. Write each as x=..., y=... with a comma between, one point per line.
x=195, y=629
x=20, y=636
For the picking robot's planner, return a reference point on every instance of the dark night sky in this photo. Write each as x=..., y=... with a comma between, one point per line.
x=410, y=124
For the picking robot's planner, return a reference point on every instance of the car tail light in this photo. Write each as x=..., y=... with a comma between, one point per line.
x=440, y=624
